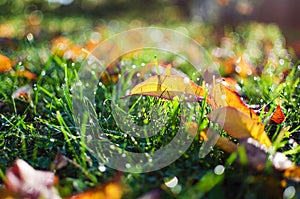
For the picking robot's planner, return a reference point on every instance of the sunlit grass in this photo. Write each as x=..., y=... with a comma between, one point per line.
x=37, y=132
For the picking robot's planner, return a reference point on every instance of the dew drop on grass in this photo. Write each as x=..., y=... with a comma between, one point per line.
x=291, y=141
x=89, y=137
x=127, y=165
x=177, y=189
x=102, y=168
x=294, y=145
x=219, y=170
x=289, y=192
x=281, y=61
x=171, y=183
x=29, y=36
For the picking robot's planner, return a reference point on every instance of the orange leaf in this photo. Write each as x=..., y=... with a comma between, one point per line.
x=60, y=45
x=111, y=190
x=169, y=86
x=242, y=67
x=292, y=173
x=26, y=73
x=224, y=96
x=230, y=83
x=278, y=116
x=239, y=125
x=5, y=64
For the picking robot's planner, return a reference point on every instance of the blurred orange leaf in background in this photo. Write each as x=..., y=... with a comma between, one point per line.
x=5, y=64
x=27, y=74
x=111, y=190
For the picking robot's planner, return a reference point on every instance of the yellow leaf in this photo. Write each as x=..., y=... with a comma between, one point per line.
x=239, y=125
x=169, y=86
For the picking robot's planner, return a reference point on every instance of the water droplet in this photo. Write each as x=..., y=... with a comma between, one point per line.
x=249, y=72
x=281, y=61
x=238, y=69
x=29, y=36
x=127, y=165
x=219, y=170
x=102, y=168
x=172, y=182
x=291, y=141
x=133, y=66
x=289, y=192
x=89, y=137
x=186, y=80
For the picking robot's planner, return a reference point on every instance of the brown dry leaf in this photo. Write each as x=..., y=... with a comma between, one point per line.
x=239, y=125
x=23, y=181
x=5, y=64
x=255, y=152
x=257, y=156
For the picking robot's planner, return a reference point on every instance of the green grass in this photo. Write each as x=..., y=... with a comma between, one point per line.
x=36, y=131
